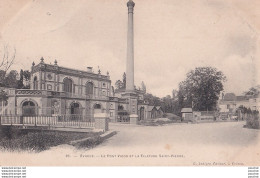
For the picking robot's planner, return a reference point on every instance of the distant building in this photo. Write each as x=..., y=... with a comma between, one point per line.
x=186, y=113
x=230, y=102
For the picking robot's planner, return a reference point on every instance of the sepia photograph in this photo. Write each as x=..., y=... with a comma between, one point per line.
x=129, y=83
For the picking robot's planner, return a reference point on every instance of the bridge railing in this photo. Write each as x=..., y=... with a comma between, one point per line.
x=54, y=121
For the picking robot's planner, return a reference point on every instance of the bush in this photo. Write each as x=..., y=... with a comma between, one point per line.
x=252, y=120
x=13, y=139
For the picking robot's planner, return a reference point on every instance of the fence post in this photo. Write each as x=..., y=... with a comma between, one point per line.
x=49, y=122
x=133, y=119
x=0, y=120
x=35, y=120
x=21, y=120
x=63, y=120
x=101, y=121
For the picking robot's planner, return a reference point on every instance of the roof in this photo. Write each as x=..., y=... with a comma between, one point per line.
x=150, y=108
x=230, y=97
x=158, y=107
x=69, y=71
x=186, y=110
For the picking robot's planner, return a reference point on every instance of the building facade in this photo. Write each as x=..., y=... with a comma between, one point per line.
x=58, y=91
x=230, y=102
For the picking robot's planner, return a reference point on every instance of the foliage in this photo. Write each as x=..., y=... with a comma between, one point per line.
x=170, y=105
x=174, y=94
x=2, y=78
x=201, y=89
x=3, y=95
x=252, y=119
x=20, y=82
x=14, y=139
x=253, y=91
x=11, y=79
x=244, y=110
x=124, y=80
x=143, y=87
x=119, y=84
x=26, y=75
x=152, y=100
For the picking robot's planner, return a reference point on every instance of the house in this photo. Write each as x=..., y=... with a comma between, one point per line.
x=186, y=114
x=159, y=111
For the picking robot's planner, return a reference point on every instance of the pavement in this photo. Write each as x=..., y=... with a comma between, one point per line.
x=207, y=144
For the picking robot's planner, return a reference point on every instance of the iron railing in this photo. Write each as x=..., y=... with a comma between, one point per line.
x=51, y=121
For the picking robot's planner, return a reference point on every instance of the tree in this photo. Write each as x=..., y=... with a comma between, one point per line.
x=3, y=100
x=26, y=79
x=253, y=91
x=27, y=75
x=170, y=105
x=174, y=94
x=118, y=84
x=152, y=100
x=3, y=95
x=11, y=79
x=7, y=59
x=201, y=89
x=20, y=81
x=124, y=80
x=143, y=87
x=2, y=78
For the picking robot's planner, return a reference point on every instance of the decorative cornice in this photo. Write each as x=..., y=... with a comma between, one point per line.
x=67, y=71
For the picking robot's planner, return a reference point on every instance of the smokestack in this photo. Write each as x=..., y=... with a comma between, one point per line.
x=130, y=48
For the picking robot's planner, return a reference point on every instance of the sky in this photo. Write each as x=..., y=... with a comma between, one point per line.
x=171, y=38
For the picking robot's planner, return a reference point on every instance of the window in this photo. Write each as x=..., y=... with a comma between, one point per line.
x=120, y=107
x=29, y=108
x=49, y=87
x=35, y=83
x=75, y=109
x=89, y=88
x=49, y=76
x=111, y=114
x=67, y=85
x=97, y=106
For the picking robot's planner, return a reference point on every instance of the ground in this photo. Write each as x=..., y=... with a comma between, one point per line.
x=214, y=144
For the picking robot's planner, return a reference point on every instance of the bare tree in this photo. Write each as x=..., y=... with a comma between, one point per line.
x=7, y=59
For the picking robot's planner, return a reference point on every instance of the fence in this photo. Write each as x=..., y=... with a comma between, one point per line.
x=54, y=121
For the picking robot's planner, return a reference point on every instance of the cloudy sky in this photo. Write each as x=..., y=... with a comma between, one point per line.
x=171, y=38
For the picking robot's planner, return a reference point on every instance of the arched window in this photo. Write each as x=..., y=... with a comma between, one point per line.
x=29, y=108
x=75, y=108
x=89, y=88
x=35, y=83
x=97, y=106
x=67, y=85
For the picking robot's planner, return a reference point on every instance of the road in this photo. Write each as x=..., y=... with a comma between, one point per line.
x=205, y=144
